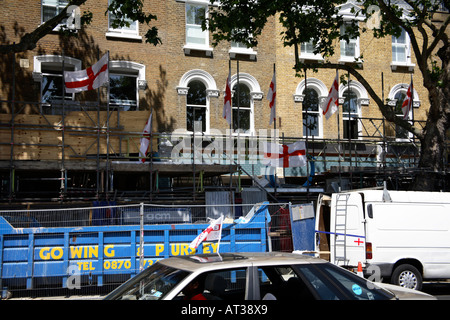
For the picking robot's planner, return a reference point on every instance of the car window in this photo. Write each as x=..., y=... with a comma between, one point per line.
x=357, y=288
x=321, y=285
x=228, y=284
x=331, y=282
x=153, y=284
x=282, y=283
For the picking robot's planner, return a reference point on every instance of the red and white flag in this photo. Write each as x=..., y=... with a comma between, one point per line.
x=330, y=105
x=271, y=96
x=408, y=102
x=145, y=140
x=88, y=79
x=227, y=100
x=281, y=155
x=213, y=232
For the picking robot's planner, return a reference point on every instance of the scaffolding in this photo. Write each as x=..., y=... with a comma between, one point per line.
x=75, y=151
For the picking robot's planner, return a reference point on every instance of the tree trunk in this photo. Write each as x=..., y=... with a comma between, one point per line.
x=432, y=160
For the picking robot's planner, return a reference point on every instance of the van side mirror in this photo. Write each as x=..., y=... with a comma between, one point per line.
x=370, y=211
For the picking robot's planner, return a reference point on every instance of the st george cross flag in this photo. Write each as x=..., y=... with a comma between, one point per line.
x=331, y=104
x=145, y=140
x=88, y=79
x=271, y=96
x=227, y=100
x=280, y=155
x=408, y=102
x=213, y=232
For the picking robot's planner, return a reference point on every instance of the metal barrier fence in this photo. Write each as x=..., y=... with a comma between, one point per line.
x=96, y=248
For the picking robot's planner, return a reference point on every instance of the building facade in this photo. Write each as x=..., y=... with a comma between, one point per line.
x=85, y=145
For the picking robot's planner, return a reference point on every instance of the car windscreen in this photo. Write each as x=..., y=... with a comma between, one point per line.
x=331, y=282
x=152, y=284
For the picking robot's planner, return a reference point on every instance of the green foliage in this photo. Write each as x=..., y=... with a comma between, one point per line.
x=125, y=11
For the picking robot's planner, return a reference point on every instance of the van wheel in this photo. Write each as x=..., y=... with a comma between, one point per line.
x=407, y=276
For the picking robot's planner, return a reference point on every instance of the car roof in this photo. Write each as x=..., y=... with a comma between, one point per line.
x=230, y=260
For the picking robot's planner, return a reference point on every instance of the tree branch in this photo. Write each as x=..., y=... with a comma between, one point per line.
x=29, y=40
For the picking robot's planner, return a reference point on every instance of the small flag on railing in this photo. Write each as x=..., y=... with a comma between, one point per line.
x=213, y=232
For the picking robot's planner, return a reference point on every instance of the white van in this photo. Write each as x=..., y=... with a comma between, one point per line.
x=403, y=236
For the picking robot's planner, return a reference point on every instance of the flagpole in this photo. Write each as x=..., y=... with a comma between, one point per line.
x=220, y=236
x=230, y=139
x=412, y=100
x=63, y=182
x=98, y=136
x=274, y=131
x=412, y=112
x=339, y=140
x=107, y=135
x=307, y=128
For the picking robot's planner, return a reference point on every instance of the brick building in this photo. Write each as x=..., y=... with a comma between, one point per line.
x=82, y=147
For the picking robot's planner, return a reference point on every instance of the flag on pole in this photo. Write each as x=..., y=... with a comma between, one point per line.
x=271, y=96
x=408, y=102
x=88, y=79
x=331, y=104
x=227, y=100
x=280, y=155
x=145, y=140
x=213, y=232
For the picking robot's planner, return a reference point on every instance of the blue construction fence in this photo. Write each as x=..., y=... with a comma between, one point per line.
x=95, y=246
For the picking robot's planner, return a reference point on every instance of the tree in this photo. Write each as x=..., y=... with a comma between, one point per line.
x=123, y=10
x=318, y=21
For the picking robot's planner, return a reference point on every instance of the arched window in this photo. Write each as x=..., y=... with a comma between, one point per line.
x=350, y=115
x=241, y=113
x=400, y=133
x=196, y=105
x=198, y=86
x=311, y=113
x=311, y=93
x=353, y=96
x=395, y=100
x=249, y=91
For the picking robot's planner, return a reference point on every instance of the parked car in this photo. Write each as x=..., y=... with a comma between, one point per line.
x=253, y=276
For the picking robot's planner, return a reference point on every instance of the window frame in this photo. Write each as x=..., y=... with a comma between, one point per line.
x=123, y=105
x=199, y=106
x=188, y=46
x=129, y=68
x=309, y=55
x=43, y=62
x=322, y=91
x=407, y=50
x=122, y=32
x=255, y=94
x=58, y=7
x=312, y=113
x=350, y=116
x=344, y=44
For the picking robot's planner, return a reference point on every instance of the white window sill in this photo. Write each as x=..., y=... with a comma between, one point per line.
x=189, y=47
x=409, y=65
x=311, y=57
x=120, y=35
x=249, y=52
x=344, y=60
